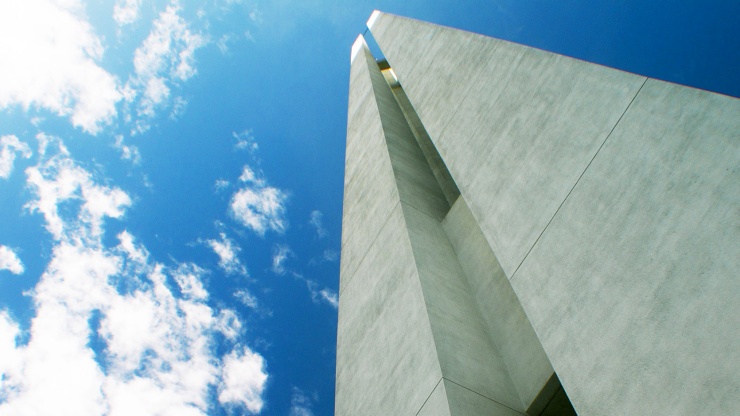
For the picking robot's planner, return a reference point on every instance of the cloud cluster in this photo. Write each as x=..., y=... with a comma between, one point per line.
x=243, y=379
x=300, y=403
x=51, y=56
x=9, y=146
x=166, y=57
x=258, y=206
x=280, y=254
x=116, y=332
x=10, y=261
x=228, y=255
x=126, y=12
x=58, y=180
x=316, y=220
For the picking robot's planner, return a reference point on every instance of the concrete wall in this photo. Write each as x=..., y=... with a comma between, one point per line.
x=612, y=203
x=381, y=307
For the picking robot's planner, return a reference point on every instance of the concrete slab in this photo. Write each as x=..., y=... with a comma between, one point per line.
x=633, y=287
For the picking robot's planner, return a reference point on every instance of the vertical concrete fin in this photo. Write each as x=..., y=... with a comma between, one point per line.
x=467, y=354
x=613, y=197
x=386, y=359
x=516, y=126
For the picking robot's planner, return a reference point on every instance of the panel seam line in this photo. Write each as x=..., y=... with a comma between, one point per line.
x=481, y=395
x=430, y=395
x=513, y=275
x=369, y=247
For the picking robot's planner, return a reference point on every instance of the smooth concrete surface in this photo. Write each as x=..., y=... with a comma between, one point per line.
x=369, y=185
x=466, y=351
x=634, y=288
x=386, y=357
x=464, y=348
x=436, y=404
x=597, y=234
x=465, y=402
x=461, y=402
x=526, y=361
x=534, y=118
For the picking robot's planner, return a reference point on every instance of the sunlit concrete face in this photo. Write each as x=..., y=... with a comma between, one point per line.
x=523, y=231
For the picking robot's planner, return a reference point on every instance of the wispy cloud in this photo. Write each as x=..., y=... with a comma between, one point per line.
x=245, y=140
x=165, y=58
x=330, y=297
x=128, y=152
x=258, y=206
x=221, y=184
x=228, y=254
x=318, y=295
x=300, y=403
x=280, y=254
x=328, y=255
x=126, y=12
x=158, y=332
x=246, y=298
x=51, y=56
x=316, y=221
x=9, y=260
x=9, y=146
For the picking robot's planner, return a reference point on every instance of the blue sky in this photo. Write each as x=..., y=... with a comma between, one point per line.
x=171, y=182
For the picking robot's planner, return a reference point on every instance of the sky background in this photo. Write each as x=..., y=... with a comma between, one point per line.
x=171, y=181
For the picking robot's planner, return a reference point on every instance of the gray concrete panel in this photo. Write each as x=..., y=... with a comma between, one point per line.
x=436, y=404
x=463, y=401
x=633, y=288
x=369, y=185
x=415, y=180
x=526, y=361
x=516, y=126
x=467, y=355
x=386, y=360
x=446, y=58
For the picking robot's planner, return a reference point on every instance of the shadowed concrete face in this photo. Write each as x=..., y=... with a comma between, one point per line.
x=511, y=213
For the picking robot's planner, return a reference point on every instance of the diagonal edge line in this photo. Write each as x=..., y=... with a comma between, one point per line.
x=430, y=395
x=513, y=275
x=484, y=396
x=369, y=247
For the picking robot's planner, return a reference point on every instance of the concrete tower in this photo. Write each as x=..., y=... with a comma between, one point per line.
x=529, y=234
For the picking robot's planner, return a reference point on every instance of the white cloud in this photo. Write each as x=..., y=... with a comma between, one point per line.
x=126, y=12
x=279, y=254
x=50, y=56
x=10, y=261
x=228, y=324
x=258, y=206
x=330, y=297
x=223, y=43
x=243, y=380
x=330, y=255
x=300, y=403
x=318, y=295
x=248, y=176
x=188, y=277
x=9, y=146
x=58, y=180
x=128, y=152
x=228, y=255
x=317, y=223
x=245, y=140
x=159, y=355
x=165, y=58
x=246, y=298
x=221, y=184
